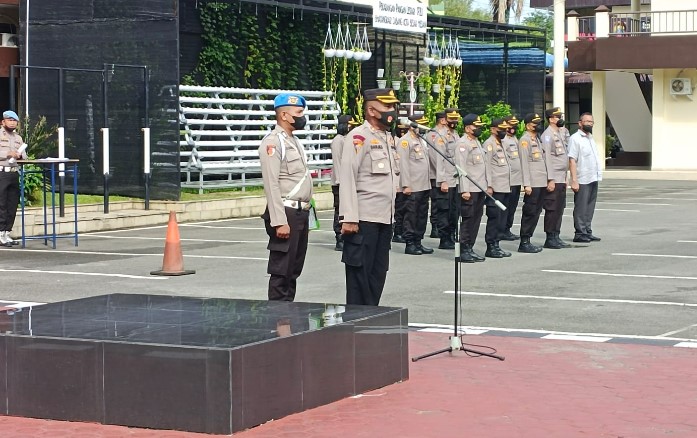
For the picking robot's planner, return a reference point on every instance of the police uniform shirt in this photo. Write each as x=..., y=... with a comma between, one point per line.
x=510, y=145
x=498, y=173
x=9, y=142
x=470, y=156
x=446, y=142
x=368, y=180
x=532, y=161
x=336, y=147
x=414, y=163
x=283, y=166
x=555, y=155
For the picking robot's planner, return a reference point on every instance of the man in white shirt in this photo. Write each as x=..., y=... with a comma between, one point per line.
x=584, y=166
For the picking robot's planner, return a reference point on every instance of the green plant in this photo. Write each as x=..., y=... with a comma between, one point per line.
x=493, y=111
x=42, y=142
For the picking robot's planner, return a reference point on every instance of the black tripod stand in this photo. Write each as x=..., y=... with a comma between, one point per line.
x=455, y=339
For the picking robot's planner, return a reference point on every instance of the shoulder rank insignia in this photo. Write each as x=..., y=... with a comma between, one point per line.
x=375, y=141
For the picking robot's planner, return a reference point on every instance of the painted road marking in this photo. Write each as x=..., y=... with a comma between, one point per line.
x=608, y=274
x=576, y=338
x=90, y=274
x=598, y=300
x=127, y=254
x=668, y=256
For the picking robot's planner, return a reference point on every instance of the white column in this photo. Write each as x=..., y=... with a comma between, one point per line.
x=598, y=110
x=572, y=27
x=635, y=6
x=602, y=24
x=559, y=45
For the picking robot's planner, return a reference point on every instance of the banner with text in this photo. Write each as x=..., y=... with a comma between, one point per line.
x=400, y=15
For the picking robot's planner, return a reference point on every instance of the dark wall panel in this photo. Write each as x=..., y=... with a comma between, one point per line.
x=88, y=34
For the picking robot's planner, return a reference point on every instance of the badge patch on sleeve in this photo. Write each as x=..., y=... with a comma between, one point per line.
x=270, y=150
x=405, y=144
x=524, y=144
x=358, y=141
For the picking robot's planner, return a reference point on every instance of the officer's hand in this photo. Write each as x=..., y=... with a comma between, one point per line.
x=283, y=231
x=574, y=186
x=550, y=186
x=466, y=196
x=444, y=186
x=14, y=154
x=490, y=191
x=349, y=228
x=406, y=191
x=528, y=191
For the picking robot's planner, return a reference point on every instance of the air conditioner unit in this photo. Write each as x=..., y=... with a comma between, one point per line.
x=680, y=86
x=8, y=40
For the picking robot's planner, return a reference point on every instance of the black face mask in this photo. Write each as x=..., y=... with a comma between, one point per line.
x=299, y=122
x=387, y=119
x=452, y=125
x=501, y=134
x=539, y=128
x=561, y=122
x=511, y=131
x=477, y=132
x=587, y=128
x=8, y=129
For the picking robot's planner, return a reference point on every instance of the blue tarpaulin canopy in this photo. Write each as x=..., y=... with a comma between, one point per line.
x=492, y=54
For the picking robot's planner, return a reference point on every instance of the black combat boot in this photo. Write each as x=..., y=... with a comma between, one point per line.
x=339, y=244
x=446, y=243
x=492, y=251
x=477, y=257
x=503, y=252
x=509, y=236
x=434, y=232
x=551, y=242
x=424, y=249
x=412, y=249
x=466, y=254
x=527, y=247
x=397, y=238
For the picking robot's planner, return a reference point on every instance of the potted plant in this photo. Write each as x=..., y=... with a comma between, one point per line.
x=396, y=85
x=382, y=83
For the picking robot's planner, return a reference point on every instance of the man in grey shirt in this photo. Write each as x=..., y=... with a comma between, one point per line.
x=584, y=166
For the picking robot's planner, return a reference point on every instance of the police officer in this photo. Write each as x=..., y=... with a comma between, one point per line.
x=510, y=145
x=445, y=138
x=498, y=176
x=534, y=172
x=368, y=182
x=288, y=190
x=470, y=156
x=400, y=202
x=557, y=161
x=10, y=143
x=414, y=176
x=344, y=126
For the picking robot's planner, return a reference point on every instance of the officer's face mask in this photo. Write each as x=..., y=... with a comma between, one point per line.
x=511, y=131
x=539, y=128
x=500, y=134
x=452, y=125
x=561, y=122
x=477, y=132
x=387, y=119
x=587, y=128
x=299, y=122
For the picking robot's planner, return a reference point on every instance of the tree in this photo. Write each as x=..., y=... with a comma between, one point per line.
x=543, y=20
x=463, y=9
x=501, y=9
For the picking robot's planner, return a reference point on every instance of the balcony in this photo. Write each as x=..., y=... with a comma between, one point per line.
x=632, y=40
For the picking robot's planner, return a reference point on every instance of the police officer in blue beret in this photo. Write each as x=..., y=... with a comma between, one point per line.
x=288, y=190
x=10, y=144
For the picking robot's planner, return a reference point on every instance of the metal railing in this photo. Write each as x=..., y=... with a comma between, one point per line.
x=652, y=23
x=586, y=28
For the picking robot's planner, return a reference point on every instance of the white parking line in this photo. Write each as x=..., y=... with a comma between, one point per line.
x=667, y=256
x=91, y=274
x=679, y=330
x=596, y=300
x=221, y=228
x=183, y=240
x=687, y=241
x=686, y=344
x=134, y=254
x=608, y=274
x=615, y=209
x=629, y=203
x=576, y=338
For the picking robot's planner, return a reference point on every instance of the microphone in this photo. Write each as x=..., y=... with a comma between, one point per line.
x=406, y=122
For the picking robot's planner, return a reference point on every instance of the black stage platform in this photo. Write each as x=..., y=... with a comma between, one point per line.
x=201, y=365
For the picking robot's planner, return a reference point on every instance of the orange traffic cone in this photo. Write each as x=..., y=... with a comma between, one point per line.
x=173, y=262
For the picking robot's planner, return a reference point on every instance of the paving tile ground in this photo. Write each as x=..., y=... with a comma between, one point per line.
x=544, y=388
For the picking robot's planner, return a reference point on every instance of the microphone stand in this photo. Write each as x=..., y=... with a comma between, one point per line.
x=455, y=339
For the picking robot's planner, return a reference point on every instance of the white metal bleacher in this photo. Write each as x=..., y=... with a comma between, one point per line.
x=221, y=129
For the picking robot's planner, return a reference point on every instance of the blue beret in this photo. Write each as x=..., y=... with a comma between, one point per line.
x=10, y=115
x=288, y=100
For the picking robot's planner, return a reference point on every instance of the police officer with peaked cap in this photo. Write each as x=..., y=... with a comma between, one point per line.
x=288, y=190
x=445, y=138
x=498, y=176
x=534, y=173
x=510, y=145
x=557, y=160
x=414, y=176
x=470, y=156
x=367, y=186
x=344, y=126
x=10, y=143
